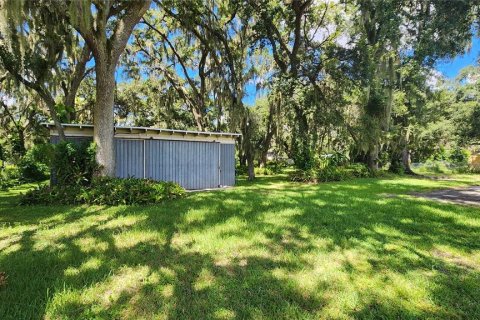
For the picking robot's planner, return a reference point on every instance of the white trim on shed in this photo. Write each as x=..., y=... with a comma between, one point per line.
x=86, y=130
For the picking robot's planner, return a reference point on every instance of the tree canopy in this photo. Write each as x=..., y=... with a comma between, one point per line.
x=298, y=78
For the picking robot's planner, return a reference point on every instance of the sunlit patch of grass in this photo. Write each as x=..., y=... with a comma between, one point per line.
x=104, y=296
x=205, y=280
x=134, y=238
x=51, y=235
x=123, y=222
x=223, y=313
x=7, y=242
x=89, y=244
x=93, y=263
x=271, y=249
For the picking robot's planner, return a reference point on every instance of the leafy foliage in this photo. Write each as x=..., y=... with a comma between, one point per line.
x=5, y=182
x=333, y=173
x=74, y=163
x=271, y=168
x=459, y=156
x=35, y=164
x=351, y=77
x=31, y=169
x=10, y=175
x=105, y=191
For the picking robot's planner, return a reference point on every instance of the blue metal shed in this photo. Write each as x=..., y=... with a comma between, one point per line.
x=194, y=159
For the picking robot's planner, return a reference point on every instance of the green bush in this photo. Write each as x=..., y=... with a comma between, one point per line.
x=276, y=167
x=241, y=170
x=446, y=162
x=271, y=168
x=74, y=164
x=332, y=173
x=473, y=170
x=459, y=156
x=430, y=167
x=50, y=195
x=105, y=191
x=358, y=170
x=4, y=183
x=115, y=191
x=262, y=171
x=309, y=175
x=459, y=160
x=434, y=166
x=9, y=177
x=12, y=172
x=335, y=159
x=31, y=168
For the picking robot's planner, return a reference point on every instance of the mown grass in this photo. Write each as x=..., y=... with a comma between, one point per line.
x=267, y=250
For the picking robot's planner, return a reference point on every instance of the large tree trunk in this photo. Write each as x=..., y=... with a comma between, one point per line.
x=103, y=119
x=406, y=153
x=248, y=150
x=263, y=158
x=251, y=165
x=267, y=141
x=301, y=140
x=242, y=159
x=406, y=160
x=372, y=158
x=21, y=149
x=106, y=45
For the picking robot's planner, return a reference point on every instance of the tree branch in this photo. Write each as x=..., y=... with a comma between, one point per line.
x=124, y=27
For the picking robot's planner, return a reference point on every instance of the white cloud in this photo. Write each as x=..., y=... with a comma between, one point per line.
x=320, y=34
x=434, y=79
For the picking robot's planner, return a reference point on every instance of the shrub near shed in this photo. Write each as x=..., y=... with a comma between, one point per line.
x=106, y=191
x=75, y=183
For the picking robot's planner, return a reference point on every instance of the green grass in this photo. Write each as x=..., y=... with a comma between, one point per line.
x=267, y=250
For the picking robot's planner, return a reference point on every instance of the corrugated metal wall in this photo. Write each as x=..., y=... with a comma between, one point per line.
x=227, y=164
x=129, y=158
x=193, y=165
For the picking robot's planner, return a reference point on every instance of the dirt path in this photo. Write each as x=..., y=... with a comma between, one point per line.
x=466, y=196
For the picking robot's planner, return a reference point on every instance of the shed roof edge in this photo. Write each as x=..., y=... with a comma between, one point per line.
x=204, y=133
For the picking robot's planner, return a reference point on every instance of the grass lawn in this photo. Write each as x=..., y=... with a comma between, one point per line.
x=271, y=250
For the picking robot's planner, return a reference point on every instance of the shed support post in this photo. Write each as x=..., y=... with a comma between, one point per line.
x=219, y=165
x=144, y=160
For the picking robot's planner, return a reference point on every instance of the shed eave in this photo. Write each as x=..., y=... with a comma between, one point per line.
x=146, y=130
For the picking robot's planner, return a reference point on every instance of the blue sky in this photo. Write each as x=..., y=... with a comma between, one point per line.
x=450, y=68
x=250, y=95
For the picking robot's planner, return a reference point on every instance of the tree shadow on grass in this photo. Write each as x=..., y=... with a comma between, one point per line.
x=258, y=251
x=396, y=234
x=228, y=288
x=445, y=296
x=56, y=273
